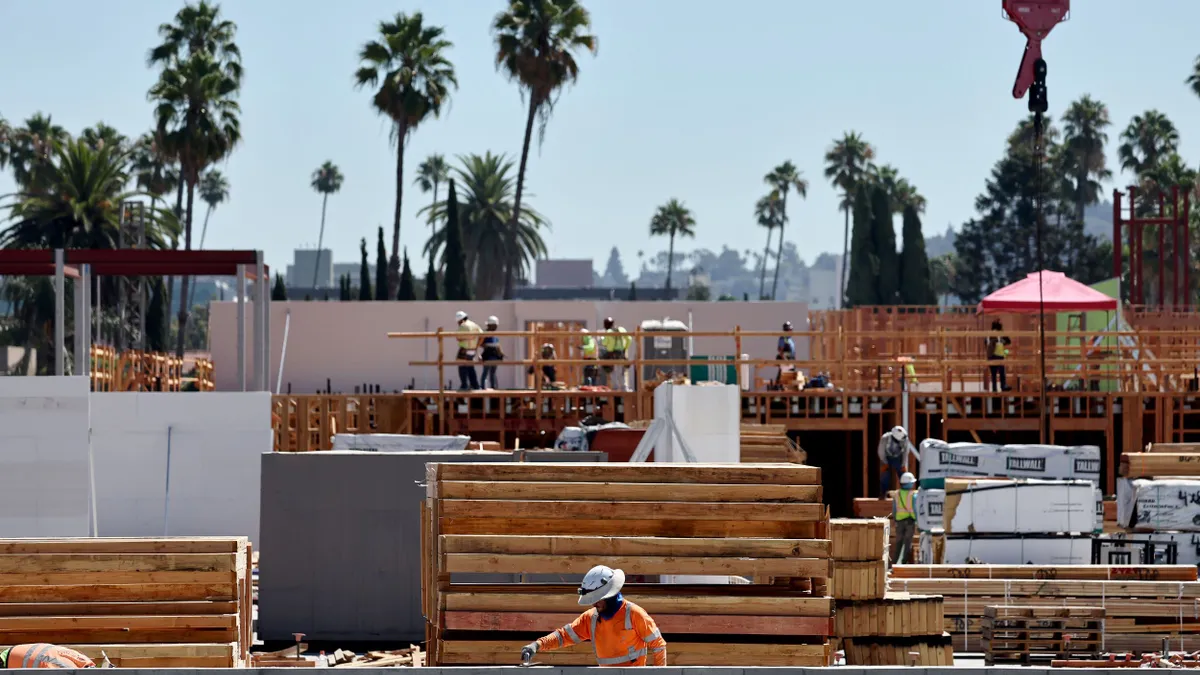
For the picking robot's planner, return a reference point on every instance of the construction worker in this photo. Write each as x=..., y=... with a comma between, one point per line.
x=491, y=352
x=589, y=348
x=468, y=345
x=613, y=347
x=785, y=350
x=894, y=450
x=42, y=655
x=549, y=372
x=622, y=633
x=997, y=352
x=904, y=512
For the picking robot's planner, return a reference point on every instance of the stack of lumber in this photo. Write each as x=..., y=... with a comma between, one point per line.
x=769, y=443
x=146, y=603
x=924, y=651
x=860, y=550
x=1144, y=604
x=724, y=522
x=1152, y=464
x=1013, y=634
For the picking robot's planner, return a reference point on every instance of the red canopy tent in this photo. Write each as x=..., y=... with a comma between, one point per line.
x=1060, y=293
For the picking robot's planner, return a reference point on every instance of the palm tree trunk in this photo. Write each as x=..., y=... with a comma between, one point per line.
x=187, y=279
x=432, y=222
x=779, y=255
x=203, y=232
x=394, y=263
x=762, y=279
x=509, y=271
x=670, y=261
x=845, y=257
x=320, y=239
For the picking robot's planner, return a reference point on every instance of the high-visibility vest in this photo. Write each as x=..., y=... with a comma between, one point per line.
x=629, y=638
x=911, y=372
x=468, y=326
x=589, y=347
x=43, y=655
x=904, y=505
x=615, y=340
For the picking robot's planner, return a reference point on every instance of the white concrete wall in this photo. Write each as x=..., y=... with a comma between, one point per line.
x=216, y=440
x=707, y=416
x=44, y=457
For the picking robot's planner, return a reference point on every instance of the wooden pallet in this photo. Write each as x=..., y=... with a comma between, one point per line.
x=174, y=602
x=1013, y=634
x=934, y=650
x=760, y=523
x=1049, y=572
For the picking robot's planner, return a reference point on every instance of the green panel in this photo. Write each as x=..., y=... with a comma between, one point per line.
x=1093, y=322
x=700, y=372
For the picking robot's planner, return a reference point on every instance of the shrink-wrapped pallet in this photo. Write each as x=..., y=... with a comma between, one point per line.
x=941, y=460
x=1001, y=506
x=1150, y=504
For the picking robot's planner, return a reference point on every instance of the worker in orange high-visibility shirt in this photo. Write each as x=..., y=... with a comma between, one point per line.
x=42, y=655
x=622, y=633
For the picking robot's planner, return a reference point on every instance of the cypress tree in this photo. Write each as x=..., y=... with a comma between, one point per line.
x=364, y=273
x=883, y=238
x=344, y=288
x=916, y=284
x=279, y=291
x=381, y=284
x=861, y=288
x=457, y=285
x=633, y=290
x=407, y=290
x=156, y=316
x=431, y=282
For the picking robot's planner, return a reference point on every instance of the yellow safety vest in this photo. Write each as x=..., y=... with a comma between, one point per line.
x=911, y=371
x=589, y=347
x=905, y=511
x=465, y=342
x=615, y=340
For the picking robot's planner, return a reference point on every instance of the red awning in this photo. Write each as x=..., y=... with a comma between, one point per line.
x=1061, y=294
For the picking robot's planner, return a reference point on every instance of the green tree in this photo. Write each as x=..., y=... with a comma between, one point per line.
x=157, y=316
x=536, y=44
x=103, y=135
x=279, y=291
x=408, y=290
x=430, y=174
x=672, y=219
x=1149, y=137
x=214, y=190
x=883, y=235
x=344, y=293
x=381, y=285
x=457, y=286
x=1084, y=140
x=769, y=214
x=364, y=273
x=916, y=288
x=155, y=173
x=907, y=195
x=862, y=288
x=326, y=180
x=485, y=185
x=845, y=165
x=632, y=291
x=407, y=67
x=941, y=276
x=198, y=28
x=31, y=152
x=783, y=179
x=431, y=282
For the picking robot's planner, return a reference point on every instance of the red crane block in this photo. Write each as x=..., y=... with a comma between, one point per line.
x=1035, y=19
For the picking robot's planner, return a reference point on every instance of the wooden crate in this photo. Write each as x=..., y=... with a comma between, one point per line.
x=749, y=523
x=859, y=538
x=1014, y=634
x=152, y=603
x=934, y=650
x=896, y=615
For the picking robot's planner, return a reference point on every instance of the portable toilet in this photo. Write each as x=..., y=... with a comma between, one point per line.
x=664, y=347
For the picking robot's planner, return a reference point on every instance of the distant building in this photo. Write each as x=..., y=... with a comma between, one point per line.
x=304, y=261
x=563, y=274
x=823, y=288
x=593, y=293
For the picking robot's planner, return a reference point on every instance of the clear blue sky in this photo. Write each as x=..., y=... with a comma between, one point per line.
x=686, y=98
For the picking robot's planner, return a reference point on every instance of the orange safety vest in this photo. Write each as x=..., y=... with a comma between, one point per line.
x=42, y=655
x=624, y=640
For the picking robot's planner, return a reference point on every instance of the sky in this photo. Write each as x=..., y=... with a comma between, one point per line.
x=685, y=99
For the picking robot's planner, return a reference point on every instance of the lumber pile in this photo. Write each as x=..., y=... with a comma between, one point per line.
x=663, y=524
x=1013, y=634
x=1152, y=464
x=894, y=615
x=860, y=550
x=933, y=650
x=146, y=603
x=769, y=443
x=1144, y=604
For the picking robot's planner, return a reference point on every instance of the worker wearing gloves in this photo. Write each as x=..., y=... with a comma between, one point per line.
x=904, y=512
x=894, y=450
x=622, y=634
x=468, y=344
x=42, y=655
x=589, y=348
x=614, y=345
x=492, y=352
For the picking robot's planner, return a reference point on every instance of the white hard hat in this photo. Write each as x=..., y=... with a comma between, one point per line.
x=899, y=433
x=460, y=315
x=492, y=321
x=584, y=330
x=600, y=583
x=907, y=479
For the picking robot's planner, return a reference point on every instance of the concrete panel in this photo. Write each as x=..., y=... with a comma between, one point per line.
x=346, y=526
x=215, y=439
x=44, y=483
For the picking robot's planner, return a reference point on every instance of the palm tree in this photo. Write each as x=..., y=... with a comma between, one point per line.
x=198, y=28
x=197, y=115
x=845, y=164
x=1148, y=138
x=906, y=194
x=768, y=214
x=889, y=178
x=536, y=43
x=783, y=178
x=941, y=275
x=408, y=64
x=326, y=180
x=102, y=134
x=431, y=173
x=486, y=187
x=1084, y=138
x=671, y=220
x=1194, y=78
x=154, y=173
x=214, y=190
x=32, y=149
x=5, y=138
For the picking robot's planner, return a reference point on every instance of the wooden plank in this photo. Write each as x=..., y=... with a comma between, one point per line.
x=1150, y=465
x=118, y=593
x=662, y=492
x=636, y=546
x=545, y=622
x=171, y=662
x=631, y=528
x=200, y=650
x=115, y=608
x=1000, y=588
x=106, y=563
x=124, y=545
x=134, y=578
x=1048, y=572
x=501, y=652
x=762, y=474
x=119, y=636
x=572, y=510
x=10, y=624
x=489, y=563
x=693, y=603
